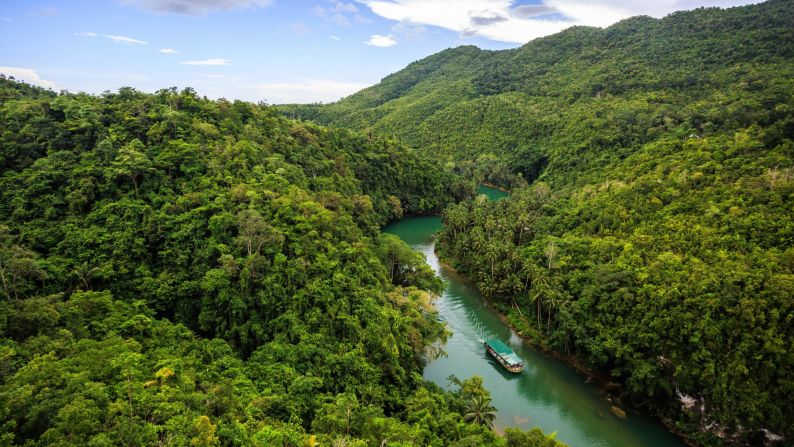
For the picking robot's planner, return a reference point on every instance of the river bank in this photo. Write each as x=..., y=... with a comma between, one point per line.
x=610, y=388
x=600, y=379
x=549, y=394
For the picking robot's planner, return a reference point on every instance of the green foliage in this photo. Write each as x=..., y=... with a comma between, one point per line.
x=480, y=411
x=655, y=242
x=97, y=370
x=676, y=280
x=406, y=267
x=566, y=107
x=179, y=271
x=532, y=438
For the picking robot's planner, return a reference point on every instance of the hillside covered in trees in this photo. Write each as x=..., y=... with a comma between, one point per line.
x=179, y=271
x=567, y=107
x=655, y=241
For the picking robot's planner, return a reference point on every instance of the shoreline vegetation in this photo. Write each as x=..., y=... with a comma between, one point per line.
x=551, y=284
x=609, y=388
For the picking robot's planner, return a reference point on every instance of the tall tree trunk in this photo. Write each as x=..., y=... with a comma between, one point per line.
x=5, y=284
x=548, y=324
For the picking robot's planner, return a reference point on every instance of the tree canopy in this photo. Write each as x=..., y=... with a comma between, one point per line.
x=180, y=271
x=654, y=240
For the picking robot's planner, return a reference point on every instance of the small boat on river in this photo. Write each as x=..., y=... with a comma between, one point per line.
x=504, y=355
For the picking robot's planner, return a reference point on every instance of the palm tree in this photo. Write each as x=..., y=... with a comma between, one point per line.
x=539, y=290
x=457, y=218
x=84, y=272
x=492, y=254
x=480, y=411
x=551, y=303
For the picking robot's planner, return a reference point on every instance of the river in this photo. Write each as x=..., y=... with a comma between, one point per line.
x=548, y=393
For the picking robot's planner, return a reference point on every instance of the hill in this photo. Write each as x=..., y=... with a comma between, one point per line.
x=566, y=107
x=179, y=271
x=654, y=241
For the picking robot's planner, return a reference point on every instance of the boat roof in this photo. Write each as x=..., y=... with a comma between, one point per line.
x=504, y=351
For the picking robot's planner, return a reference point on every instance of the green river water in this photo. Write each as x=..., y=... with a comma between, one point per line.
x=548, y=393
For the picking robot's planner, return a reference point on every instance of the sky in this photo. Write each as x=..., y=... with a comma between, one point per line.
x=276, y=51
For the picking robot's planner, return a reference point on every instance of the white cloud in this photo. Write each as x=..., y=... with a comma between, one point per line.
x=125, y=40
x=194, y=7
x=345, y=7
x=168, y=51
x=505, y=21
x=336, y=12
x=408, y=31
x=28, y=75
x=307, y=91
x=210, y=62
x=86, y=34
x=335, y=37
x=377, y=40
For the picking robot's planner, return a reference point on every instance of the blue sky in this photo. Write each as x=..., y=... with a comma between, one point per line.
x=273, y=50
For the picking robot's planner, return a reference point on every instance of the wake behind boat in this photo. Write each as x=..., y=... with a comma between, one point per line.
x=504, y=355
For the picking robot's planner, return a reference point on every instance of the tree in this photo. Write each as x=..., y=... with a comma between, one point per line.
x=84, y=272
x=405, y=266
x=539, y=290
x=244, y=294
x=132, y=162
x=18, y=267
x=530, y=438
x=204, y=431
x=480, y=411
x=255, y=234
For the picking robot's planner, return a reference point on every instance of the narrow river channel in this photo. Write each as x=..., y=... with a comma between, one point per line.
x=547, y=394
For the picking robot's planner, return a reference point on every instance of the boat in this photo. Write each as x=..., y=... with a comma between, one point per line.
x=504, y=355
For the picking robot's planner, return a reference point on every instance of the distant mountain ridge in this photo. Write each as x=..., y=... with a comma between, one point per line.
x=527, y=103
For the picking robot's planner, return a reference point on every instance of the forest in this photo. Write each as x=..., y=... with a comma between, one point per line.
x=567, y=107
x=182, y=271
x=649, y=233
x=177, y=271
